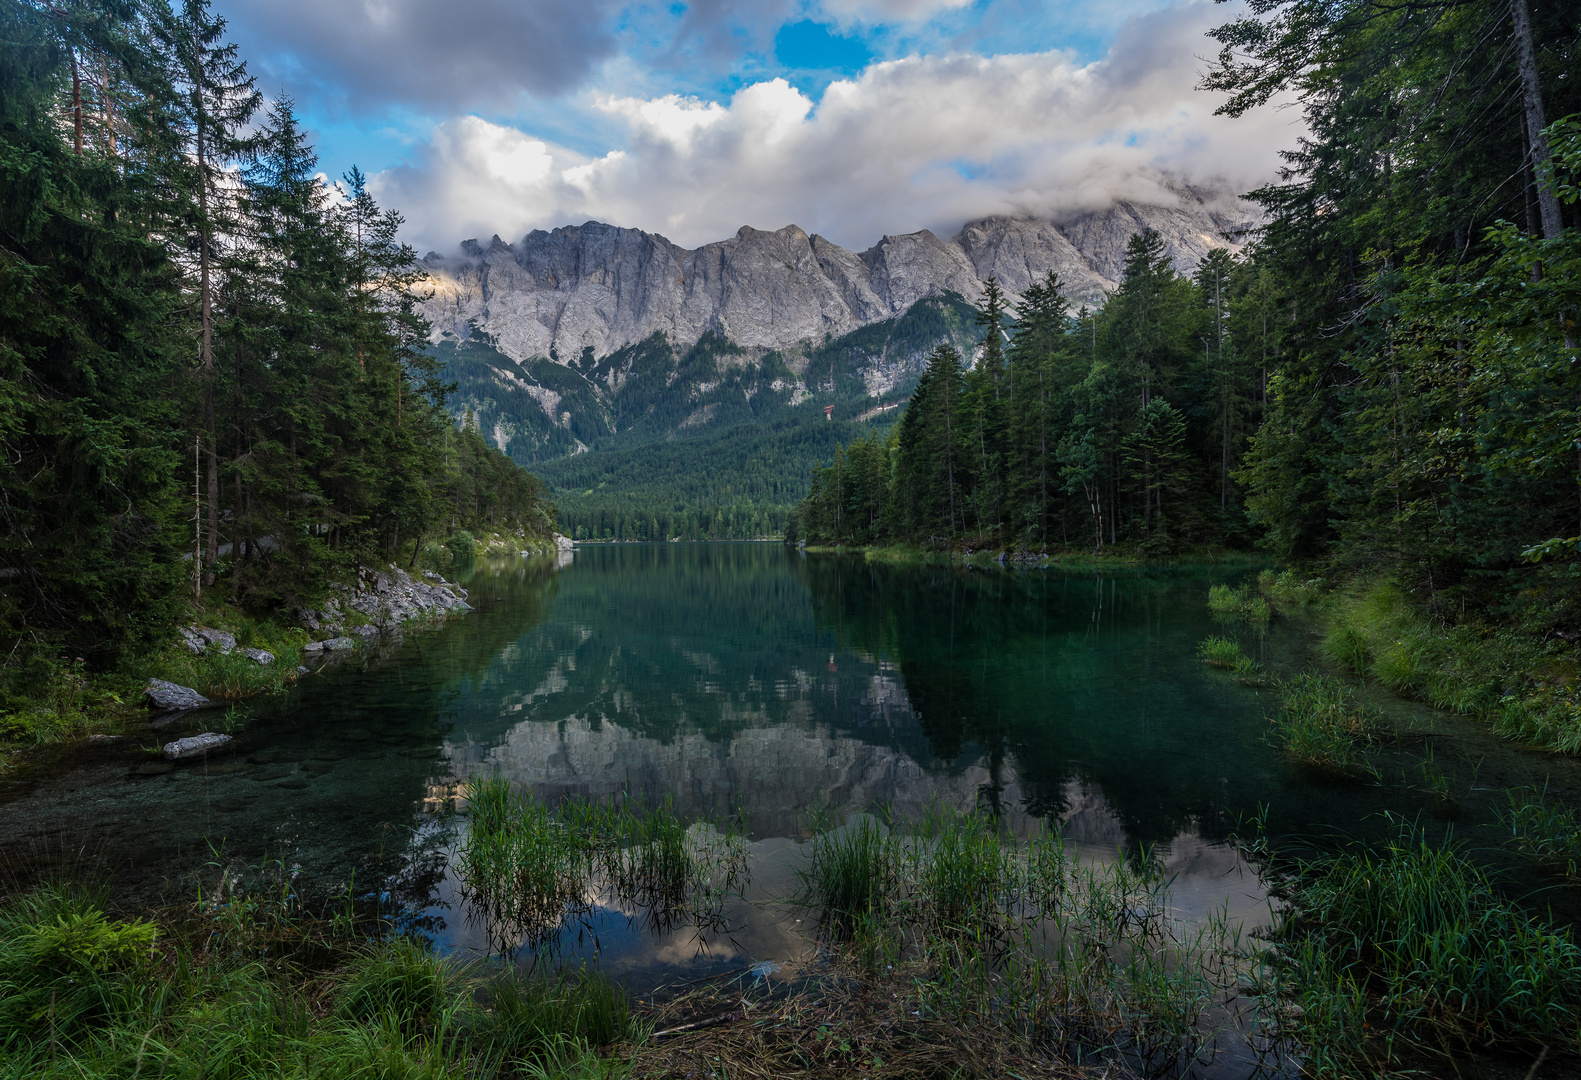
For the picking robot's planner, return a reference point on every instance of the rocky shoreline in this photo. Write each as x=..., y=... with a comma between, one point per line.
x=380, y=602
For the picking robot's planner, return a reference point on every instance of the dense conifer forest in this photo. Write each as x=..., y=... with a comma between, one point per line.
x=1383, y=381
x=214, y=381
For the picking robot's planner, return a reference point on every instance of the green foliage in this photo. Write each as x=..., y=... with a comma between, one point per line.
x=80, y=996
x=1410, y=950
x=1101, y=426
x=1237, y=603
x=1525, y=685
x=1545, y=830
x=1220, y=652
x=462, y=548
x=212, y=375
x=400, y=980
x=1320, y=722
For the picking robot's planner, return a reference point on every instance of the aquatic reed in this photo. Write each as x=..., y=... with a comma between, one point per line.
x=1020, y=938
x=1408, y=950
x=1219, y=652
x=528, y=868
x=1546, y=831
x=1320, y=722
x=1237, y=603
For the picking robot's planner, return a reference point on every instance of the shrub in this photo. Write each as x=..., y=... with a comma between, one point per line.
x=463, y=549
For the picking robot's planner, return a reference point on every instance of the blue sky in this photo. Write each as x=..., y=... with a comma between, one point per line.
x=509, y=114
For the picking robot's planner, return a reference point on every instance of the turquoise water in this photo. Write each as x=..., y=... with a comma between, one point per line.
x=748, y=678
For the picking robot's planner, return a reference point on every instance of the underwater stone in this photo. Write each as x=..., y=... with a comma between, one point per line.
x=195, y=745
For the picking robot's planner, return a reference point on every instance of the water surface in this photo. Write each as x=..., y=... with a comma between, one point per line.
x=751, y=679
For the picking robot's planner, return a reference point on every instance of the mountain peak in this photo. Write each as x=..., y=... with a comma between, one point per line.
x=599, y=286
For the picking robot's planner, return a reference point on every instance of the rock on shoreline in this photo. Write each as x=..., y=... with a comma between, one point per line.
x=386, y=598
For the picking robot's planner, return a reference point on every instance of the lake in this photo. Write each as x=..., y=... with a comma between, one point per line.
x=756, y=682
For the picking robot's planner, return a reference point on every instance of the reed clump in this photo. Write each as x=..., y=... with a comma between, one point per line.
x=530, y=869
x=1220, y=652
x=1239, y=603
x=1407, y=952
x=1320, y=722
x=1020, y=940
x=1545, y=830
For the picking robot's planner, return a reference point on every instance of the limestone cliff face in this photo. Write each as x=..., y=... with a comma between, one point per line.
x=585, y=291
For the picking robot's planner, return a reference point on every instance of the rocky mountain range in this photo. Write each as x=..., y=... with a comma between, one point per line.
x=581, y=292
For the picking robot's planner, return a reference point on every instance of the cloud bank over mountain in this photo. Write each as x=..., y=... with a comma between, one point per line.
x=929, y=140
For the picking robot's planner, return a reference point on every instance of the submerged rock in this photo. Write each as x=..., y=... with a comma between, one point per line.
x=171, y=696
x=194, y=745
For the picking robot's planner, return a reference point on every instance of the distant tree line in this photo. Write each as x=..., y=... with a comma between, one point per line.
x=1386, y=380
x=212, y=376
x=1083, y=428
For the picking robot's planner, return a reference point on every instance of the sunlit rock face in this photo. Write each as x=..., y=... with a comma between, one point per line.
x=598, y=287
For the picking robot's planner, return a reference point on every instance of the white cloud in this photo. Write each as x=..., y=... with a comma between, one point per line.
x=887, y=11
x=922, y=142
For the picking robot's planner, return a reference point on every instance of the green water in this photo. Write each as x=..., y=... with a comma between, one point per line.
x=748, y=677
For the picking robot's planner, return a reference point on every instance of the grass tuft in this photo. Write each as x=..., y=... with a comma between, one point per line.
x=1544, y=830
x=1320, y=722
x=1237, y=604
x=1409, y=950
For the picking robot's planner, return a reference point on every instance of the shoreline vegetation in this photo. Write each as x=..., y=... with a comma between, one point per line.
x=78, y=704
x=941, y=948
x=220, y=407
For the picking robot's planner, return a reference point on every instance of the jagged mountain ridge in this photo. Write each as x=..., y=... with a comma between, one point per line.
x=579, y=293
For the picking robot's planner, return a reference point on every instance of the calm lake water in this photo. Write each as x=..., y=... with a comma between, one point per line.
x=751, y=678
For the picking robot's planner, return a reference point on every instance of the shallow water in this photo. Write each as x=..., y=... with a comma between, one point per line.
x=751, y=679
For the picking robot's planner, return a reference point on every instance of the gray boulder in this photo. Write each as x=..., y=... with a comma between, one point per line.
x=193, y=640
x=261, y=657
x=217, y=639
x=194, y=745
x=169, y=695
x=332, y=645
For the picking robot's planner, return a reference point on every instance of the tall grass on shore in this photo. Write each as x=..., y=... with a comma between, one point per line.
x=530, y=869
x=1407, y=954
x=83, y=994
x=1021, y=940
x=1528, y=686
x=1320, y=722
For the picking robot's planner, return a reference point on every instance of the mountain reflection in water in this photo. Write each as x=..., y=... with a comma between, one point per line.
x=726, y=677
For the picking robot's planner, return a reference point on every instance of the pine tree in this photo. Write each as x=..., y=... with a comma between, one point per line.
x=217, y=100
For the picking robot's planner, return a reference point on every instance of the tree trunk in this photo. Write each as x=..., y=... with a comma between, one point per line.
x=76, y=102
x=1532, y=99
x=206, y=309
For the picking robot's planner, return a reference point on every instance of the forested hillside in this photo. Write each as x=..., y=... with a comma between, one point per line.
x=713, y=441
x=1386, y=382
x=211, y=374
